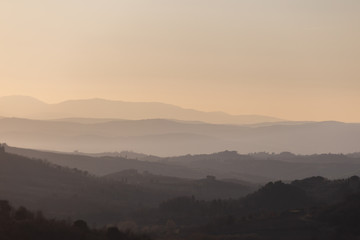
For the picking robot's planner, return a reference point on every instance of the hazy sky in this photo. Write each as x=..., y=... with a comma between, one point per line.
x=294, y=59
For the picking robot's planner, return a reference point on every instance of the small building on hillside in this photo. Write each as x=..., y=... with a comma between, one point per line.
x=210, y=178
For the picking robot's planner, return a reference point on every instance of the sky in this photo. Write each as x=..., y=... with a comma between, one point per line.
x=296, y=60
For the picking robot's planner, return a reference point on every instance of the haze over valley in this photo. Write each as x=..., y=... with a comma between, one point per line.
x=180, y=120
x=170, y=138
x=176, y=131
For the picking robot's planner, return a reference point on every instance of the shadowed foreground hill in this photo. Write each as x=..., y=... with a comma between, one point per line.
x=303, y=209
x=272, y=197
x=276, y=211
x=22, y=224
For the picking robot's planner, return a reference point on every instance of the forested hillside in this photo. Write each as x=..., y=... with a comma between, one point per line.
x=64, y=192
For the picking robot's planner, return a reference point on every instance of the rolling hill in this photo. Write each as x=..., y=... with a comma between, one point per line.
x=257, y=168
x=65, y=192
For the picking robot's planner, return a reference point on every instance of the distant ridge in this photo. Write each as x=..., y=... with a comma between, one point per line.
x=168, y=138
x=28, y=107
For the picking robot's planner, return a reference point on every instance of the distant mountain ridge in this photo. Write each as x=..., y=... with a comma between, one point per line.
x=28, y=107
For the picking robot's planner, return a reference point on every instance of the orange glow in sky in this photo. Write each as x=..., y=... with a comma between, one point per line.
x=297, y=60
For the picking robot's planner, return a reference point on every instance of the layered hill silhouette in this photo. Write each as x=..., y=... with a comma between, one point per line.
x=28, y=107
x=64, y=192
x=314, y=207
x=258, y=168
x=170, y=138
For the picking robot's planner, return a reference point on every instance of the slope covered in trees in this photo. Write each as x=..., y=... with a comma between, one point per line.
x=60, y=191
x=65, y=192
x=314, y=208
x=22, y=224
